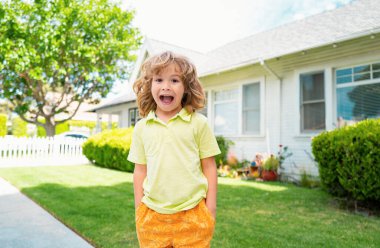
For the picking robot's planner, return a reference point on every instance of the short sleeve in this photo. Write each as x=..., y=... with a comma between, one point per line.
x=207, y=144
x=137, y=152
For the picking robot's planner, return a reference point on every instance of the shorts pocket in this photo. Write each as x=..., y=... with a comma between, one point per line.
x=208, y=212
x=138, y=210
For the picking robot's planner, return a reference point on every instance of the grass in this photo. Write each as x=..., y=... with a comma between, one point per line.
x=98, y=204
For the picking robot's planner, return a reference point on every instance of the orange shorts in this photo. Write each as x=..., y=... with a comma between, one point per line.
x=190, y=228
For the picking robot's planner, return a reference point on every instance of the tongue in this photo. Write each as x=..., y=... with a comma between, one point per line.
x=167, y=99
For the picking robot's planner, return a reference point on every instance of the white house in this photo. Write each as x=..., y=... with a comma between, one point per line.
x=285, y=85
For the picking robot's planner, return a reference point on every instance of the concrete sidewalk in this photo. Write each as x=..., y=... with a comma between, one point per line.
x=24, y=224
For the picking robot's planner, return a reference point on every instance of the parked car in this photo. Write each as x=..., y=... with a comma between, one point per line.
x=76, y=135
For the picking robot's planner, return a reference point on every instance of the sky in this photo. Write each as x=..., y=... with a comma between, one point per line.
x=204, y=25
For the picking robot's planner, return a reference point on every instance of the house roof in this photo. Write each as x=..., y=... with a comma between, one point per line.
x=117, y=100
x=357, y=19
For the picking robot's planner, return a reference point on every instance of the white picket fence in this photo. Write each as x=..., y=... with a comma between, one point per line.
x=25, y=151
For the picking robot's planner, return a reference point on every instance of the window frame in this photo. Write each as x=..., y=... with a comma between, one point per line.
x=225, y=102
x=243, y=110
x=238, y=85
x=136, y=111
x=353, y=83
x=301, y=129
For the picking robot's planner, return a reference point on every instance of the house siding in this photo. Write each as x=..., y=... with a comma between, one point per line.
x=280, y=92
x=300, y=144
x=281, y=119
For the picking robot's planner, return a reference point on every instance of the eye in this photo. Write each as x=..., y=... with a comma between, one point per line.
x=158, y=80
x=175, y=80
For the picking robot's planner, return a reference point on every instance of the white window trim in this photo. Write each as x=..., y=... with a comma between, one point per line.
x=239, y=85
x=336, y=86
x=297, y=75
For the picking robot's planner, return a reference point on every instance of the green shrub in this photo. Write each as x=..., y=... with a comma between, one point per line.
x=328, y=152
x=271, y=163
x=19, y=127
x=224, y=144
x=110, y=149
x=62, y=127
x=3, y=125
x=76, y=123
x=308, y=181
x=105, y=125
x=349, y=160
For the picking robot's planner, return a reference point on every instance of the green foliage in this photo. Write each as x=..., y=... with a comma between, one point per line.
x=224, y=145
x=105, y=125
x=271, y=163
x=62, y=127
x=110, y=149
x=3, y=125
x=91, y=124
x=19, y=127
x=58, y=53
x=76, y=123
x=349, y=160
x=308, y=181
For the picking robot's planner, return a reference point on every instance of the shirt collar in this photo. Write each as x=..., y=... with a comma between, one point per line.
x=183, y=114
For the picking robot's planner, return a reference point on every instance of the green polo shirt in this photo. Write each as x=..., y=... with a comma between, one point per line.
x=172, y=152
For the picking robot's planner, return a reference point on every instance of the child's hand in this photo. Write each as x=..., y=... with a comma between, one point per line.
x=212, y=210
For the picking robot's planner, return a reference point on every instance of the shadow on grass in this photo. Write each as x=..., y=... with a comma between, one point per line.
x=248, y=216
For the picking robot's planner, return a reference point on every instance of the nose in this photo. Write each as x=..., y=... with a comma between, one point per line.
x=166, y=85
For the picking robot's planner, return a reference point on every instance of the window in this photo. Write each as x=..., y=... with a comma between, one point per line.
x=204, y=110
x=312, y=102
x=133, y=116
x=226, y=110
x=251, y=108
x=358, y=93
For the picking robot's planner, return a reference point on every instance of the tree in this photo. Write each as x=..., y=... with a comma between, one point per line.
x=56, y=54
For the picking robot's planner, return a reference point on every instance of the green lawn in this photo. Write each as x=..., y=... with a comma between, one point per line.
x=98, y=204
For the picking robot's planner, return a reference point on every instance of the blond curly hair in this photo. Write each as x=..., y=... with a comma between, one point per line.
x=193, y=97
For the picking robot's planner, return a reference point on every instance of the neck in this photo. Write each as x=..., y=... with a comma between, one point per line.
x=166, y=116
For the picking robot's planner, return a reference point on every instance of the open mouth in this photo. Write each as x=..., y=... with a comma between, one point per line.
x=166, y=99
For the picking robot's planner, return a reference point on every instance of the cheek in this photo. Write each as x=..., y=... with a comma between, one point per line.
x=154, y=89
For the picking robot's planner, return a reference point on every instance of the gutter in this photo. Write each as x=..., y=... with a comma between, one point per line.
x=271, y=72
x=266, y=67
x=371, y=32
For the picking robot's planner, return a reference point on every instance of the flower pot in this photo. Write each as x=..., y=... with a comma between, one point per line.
x=269, y=175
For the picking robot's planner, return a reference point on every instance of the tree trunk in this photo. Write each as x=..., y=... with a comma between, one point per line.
x=50, y=129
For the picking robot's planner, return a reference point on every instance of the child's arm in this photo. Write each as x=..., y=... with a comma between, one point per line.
x=139, y=175
x=209, y=170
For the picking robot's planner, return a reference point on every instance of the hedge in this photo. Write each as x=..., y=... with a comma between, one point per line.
x=349, y=160
x=3, y=125
x=224, y=145
x=110, y=149
x=19, y=127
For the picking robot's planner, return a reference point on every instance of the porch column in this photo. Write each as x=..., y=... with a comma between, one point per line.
x=109, y=121
x=98, y=127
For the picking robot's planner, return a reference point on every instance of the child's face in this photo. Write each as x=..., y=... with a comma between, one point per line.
x=167, y=90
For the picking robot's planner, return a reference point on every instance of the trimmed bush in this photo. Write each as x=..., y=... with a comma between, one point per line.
x=3, y=125
x=349, y=160
x=19, y=127
x=76, y=123
x=110, y=149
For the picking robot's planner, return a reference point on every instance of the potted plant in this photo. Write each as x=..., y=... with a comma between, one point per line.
x=269, y=168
